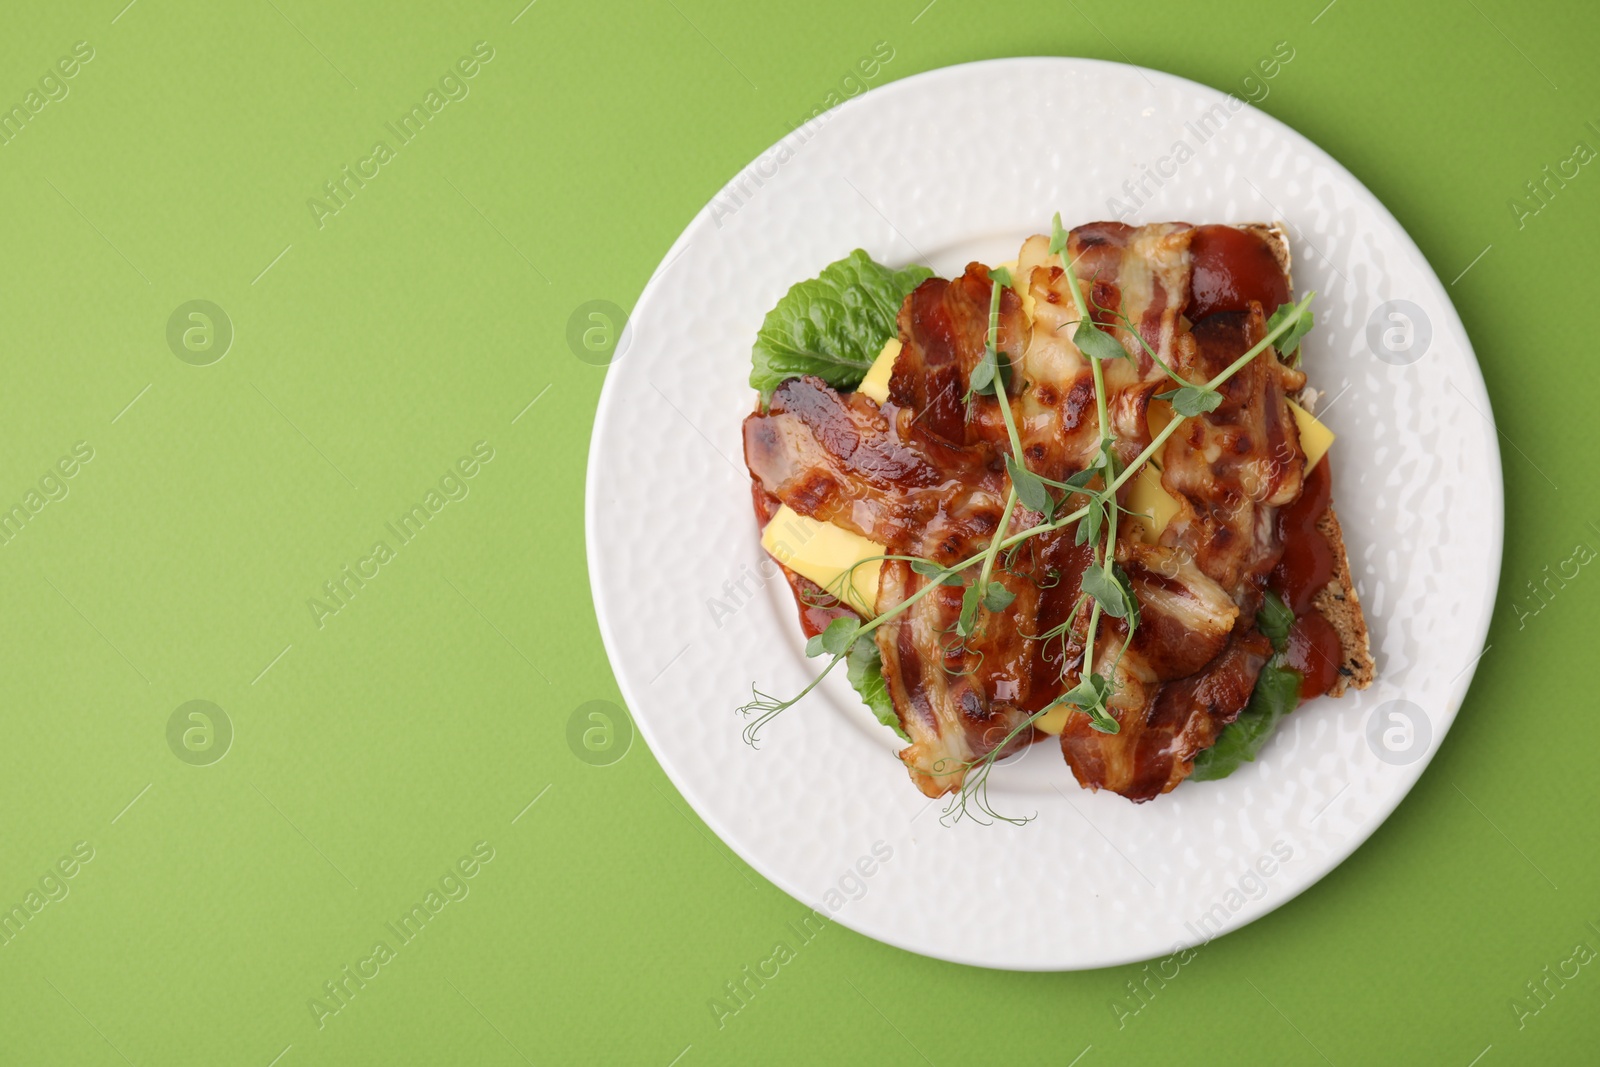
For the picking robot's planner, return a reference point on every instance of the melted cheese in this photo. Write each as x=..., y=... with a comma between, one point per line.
x=822, y=552
x=1149, y=505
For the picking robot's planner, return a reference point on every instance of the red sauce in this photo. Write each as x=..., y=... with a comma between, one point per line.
x=814, y=620
x=1307, y=564
x=1231, y=268
x=1314, y=650
x=1305, y=570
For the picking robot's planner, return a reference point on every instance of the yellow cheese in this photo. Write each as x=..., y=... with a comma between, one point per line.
x=1149, y=505
x=1315, y=438
x=822, y=552
x=1152, y=507
x=876, y=383
x=1055, y=720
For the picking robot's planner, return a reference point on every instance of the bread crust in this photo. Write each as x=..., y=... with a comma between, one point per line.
x=1341, y=606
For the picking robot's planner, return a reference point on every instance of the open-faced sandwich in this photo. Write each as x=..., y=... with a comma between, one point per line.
x=1079, y=497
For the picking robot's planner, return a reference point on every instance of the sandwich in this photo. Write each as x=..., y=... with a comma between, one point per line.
x=1080, y=498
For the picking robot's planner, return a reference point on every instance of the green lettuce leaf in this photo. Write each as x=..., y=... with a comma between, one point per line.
x=1275, y=620
x=1276, y=694
x=832, y=326
x=864, y=668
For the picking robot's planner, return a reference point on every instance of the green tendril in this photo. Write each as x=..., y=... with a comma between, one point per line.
x=974, y=791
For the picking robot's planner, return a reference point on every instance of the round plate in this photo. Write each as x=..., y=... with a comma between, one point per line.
x=959, y=164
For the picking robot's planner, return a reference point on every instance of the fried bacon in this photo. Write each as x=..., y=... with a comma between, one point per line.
x=1156, y=746
x=1232, y=469
x=924, y=475
x=943, y=326
x=884, y=475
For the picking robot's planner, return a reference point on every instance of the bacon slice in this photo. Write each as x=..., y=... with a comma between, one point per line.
x=1140, y=274
x=943, y=327
x=1155, y=750
x=1231, y=469
x=1185, y=618
x=835, y=459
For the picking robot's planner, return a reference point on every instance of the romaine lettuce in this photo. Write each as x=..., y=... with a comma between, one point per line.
x=1277, y=693
x=864, y=668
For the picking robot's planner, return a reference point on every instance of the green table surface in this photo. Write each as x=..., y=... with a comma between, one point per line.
x=380, y=743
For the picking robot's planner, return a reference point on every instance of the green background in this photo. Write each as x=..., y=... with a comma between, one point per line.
x=370, y=354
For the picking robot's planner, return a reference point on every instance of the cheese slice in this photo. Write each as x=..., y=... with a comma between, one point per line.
x=1150, y=505
x=876, y=383
x=1315, y=438
x=1054, y=721
x=822, y=552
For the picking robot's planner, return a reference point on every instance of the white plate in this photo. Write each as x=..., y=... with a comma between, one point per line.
x=965, y=163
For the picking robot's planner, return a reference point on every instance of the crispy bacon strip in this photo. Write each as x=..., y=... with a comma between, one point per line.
x=1138, y=273
x=1232, y=468
x=1156, y=747
x=943, y=326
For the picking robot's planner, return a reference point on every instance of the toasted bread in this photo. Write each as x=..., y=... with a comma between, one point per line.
x=1340, y=605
